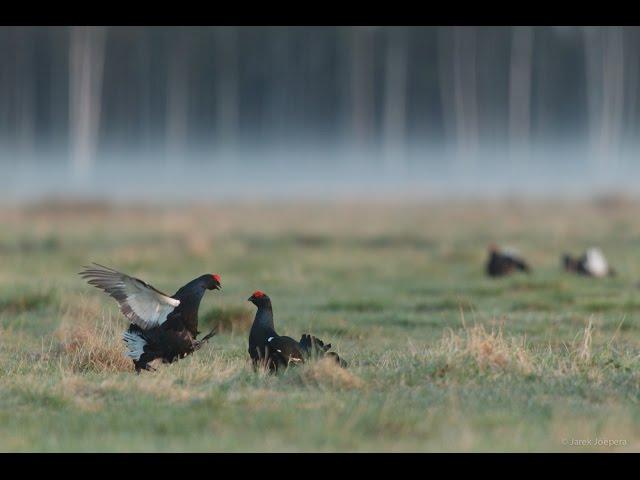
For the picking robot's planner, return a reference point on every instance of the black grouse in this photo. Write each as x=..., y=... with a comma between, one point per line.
x=162, y=326
x=273, y=351
x=504, y=263
x=592, y=264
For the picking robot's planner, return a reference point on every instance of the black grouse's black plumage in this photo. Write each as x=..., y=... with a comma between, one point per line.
x=273, y=351
x=162, y=326
x=502, y=263
x=574, y=265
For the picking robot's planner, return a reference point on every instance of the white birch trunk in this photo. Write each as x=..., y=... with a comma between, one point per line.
x=394, y=116
x=86, y=63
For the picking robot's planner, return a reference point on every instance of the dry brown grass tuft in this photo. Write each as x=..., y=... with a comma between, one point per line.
x=579, y=357
x=92, y=347
x=489, y=350
x=583, y=345
x=326, y=373
x=90, y=350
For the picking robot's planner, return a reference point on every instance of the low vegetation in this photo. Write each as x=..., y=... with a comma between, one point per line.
x=440, y=357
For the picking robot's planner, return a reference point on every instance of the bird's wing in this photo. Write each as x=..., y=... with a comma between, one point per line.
x=141, y=303
x=287, y=348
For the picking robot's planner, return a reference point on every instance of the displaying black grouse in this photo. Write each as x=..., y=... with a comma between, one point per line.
x=162, y=326
x=592, y=264
x=504, y=263
x=268, y=348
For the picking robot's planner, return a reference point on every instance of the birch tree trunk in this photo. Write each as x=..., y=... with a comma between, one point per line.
x=226, y=115
x=395, y=88
x=86, y=62
x=520, y=87
x=613, y=94
x=445, y=81
x=177, y=97
x=465, y=93
x=604, y=50
x=631, y=41
x=25, y=89
x=361, y=86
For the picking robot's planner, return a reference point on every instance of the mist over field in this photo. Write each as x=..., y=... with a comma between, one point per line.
x=319, y=175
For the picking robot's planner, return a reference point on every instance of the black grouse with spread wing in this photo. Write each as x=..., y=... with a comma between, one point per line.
x=504, y=263
x=273, y=351
x=162, y=326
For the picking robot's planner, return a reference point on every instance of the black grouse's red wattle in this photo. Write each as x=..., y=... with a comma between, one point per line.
x=162, y=326
x=504, y=263
x=273, y=351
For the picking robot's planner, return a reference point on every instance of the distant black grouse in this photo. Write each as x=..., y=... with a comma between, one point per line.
x=592, y=264
x=273, y=351
x=161, y=326
x=504, y=263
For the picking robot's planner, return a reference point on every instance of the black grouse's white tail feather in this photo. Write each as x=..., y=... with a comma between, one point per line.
x=135, y=343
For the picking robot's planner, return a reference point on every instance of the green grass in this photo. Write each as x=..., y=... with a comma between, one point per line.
x=441, y=357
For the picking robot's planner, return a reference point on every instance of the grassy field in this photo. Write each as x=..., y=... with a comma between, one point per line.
x=441, y=357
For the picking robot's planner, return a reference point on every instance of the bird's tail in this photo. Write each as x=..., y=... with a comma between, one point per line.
x=339, y=360
x=206, y=338
x=316, y=348
x=313, y=345
x=210, y=334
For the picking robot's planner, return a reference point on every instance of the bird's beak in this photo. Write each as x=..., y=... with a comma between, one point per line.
x=250, y=299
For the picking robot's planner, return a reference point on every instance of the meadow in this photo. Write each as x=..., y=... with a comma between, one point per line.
x=441, y=357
